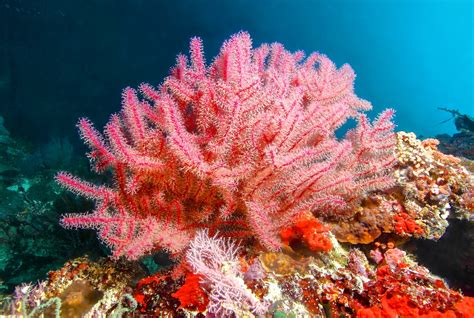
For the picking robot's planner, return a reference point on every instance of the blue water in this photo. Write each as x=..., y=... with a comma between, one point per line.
x=63, y=59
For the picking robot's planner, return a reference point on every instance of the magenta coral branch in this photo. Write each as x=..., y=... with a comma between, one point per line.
x=124, y=151
x=81, y=187
x=133, y=114
x=181, y=140
x=264, y=226
x=100, y=153
x=197, y=57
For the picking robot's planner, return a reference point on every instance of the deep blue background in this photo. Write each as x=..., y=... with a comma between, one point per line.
x=60, y=60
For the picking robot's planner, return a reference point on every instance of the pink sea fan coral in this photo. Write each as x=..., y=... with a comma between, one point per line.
x=243, y=146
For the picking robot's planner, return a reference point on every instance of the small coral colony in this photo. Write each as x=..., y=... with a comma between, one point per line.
x=234, y=169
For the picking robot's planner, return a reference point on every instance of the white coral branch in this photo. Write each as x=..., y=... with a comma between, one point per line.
x=217, y=261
